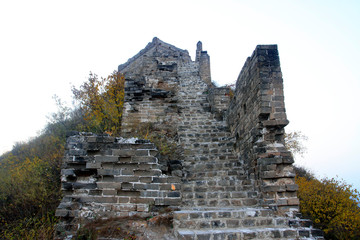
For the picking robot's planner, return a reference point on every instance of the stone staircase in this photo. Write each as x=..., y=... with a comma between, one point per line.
x=211, y=169
x=218, y=202
x=240, y=223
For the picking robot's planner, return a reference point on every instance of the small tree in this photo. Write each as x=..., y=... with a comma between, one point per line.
x=294, y=142
x=102, y=102
x=333, y=206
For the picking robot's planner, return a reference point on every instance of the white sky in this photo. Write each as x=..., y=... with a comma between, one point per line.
x=48, y=46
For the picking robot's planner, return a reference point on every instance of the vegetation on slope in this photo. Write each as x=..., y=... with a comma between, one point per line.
x=331, y=204
x=30, y=173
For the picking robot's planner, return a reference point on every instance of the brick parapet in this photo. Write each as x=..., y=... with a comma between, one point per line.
x=257, y=118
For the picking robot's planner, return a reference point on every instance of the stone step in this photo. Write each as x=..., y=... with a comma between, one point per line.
x=228, y=218
x=204, y=160
x=208, y=151
x=207, y=143
x=215, y=136
x=215, y=202
x=198, y=119
x=195, y=127
x=216, y=188
x=199, y=125
x=250, y=233
x=195, y=176
x=219, y=193
x=220, y=132
x=209, y=171
x=234, y=188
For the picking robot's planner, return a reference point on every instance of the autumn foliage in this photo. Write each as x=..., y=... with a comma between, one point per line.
x=102, y=102
x=30, y=173
x=29, y=188
x=332, y=205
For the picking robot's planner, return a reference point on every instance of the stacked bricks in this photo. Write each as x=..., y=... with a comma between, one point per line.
x=212, y=175
x=241, y=223
x=257, y=118
x=103, y=177
x=219, y=100
x=151, y=81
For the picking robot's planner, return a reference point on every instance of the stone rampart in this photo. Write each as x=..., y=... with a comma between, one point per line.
x=231, y=172
x=105, y=177
x=257, y=118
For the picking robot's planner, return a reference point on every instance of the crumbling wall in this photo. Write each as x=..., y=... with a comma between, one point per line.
x=105, y=177
x=151, y=82
x=257, y=118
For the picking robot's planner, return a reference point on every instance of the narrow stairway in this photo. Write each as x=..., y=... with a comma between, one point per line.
x=218, y=202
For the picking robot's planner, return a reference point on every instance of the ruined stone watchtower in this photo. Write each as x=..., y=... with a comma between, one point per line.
x=204, y=64
x=233, y=179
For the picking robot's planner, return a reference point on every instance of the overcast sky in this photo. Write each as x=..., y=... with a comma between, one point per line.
x=48, y=46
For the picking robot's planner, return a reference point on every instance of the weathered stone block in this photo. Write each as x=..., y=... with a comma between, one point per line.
x=109, y=172
x=93, y=165
x=274, y=188
x=232, y=223
x=152, y=186
x=107, y=185
x=304, y=233
x=173, y=194
x=106, y=199
x=141, y=152
x=139, y=159
x=289, y=233
x=142, y=200
x=205, y=236
x=172, y=201
x=292, y=187
x=109, y=192
x=160, y=180
x=293, y=201
x=95, y=192
x=123, y=152
x=145, y=179
x=127, y=207
x=126, y=179
x=78, y=185
x=142, y=207
x=146, y=173
x=106, y=159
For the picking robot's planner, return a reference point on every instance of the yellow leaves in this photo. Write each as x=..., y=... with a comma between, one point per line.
x=30, y=178
x=332, y=205
x=102, y=101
